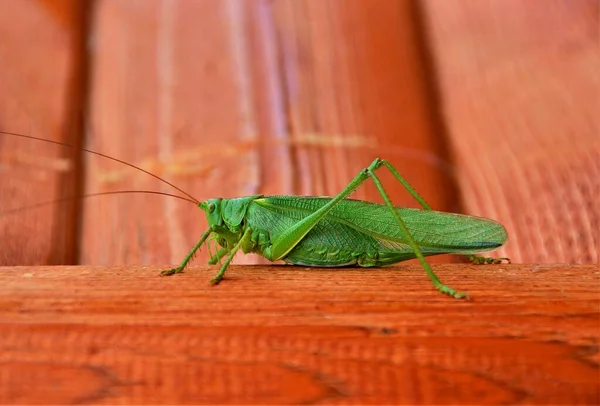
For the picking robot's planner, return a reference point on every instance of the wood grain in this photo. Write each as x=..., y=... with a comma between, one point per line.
x=295, y=97
x=41, y=95
x=281, y=335
x=229, y=99
x=520, y=83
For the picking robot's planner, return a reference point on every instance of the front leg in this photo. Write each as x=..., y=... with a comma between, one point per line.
x=218, y=256
x=189, y=256
x=244, y=240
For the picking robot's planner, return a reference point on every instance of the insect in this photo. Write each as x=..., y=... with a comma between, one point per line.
x=338, y=231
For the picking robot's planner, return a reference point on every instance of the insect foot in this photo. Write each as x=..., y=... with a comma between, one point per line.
x=171, y=271
x=477, y=260
x=451, y=292
x=215, y=281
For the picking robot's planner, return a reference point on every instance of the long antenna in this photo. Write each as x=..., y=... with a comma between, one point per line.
x=116, y=192
x=196, y=201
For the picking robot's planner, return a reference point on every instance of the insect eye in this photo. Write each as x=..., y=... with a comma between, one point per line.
x=210, y=207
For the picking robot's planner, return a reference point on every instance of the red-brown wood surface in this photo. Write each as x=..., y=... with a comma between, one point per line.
x=520, y=81
x=282, y=335
x=231, y=98
x=40, y=88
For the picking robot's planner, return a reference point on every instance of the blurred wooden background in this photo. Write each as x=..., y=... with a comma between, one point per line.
x=488, y=107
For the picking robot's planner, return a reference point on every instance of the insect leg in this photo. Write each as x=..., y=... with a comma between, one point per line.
x=475, y=259
x=208, y=247
x=244, y=240
x=406, y=185
x=218, y=255
x=189, y=256
x=292, y=236
x=436, y=282
x=289, y=239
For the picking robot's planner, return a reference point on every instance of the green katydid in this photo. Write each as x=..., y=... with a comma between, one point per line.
x=337, y=231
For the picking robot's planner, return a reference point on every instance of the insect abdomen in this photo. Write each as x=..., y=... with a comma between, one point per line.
x=322, y=257
x=366, y=234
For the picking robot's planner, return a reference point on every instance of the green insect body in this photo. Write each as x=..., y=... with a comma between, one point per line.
x=355, y=232
x=337, y=231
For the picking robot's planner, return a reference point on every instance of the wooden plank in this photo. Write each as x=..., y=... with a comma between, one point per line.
x=41, y=95
x=233, y=98
x=283, y=335
x=521, y=84
x=166, y=96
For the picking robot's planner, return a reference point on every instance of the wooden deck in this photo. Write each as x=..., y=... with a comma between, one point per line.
x=282, y=335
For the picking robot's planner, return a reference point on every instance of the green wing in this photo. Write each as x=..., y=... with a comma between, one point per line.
x=354, y=227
